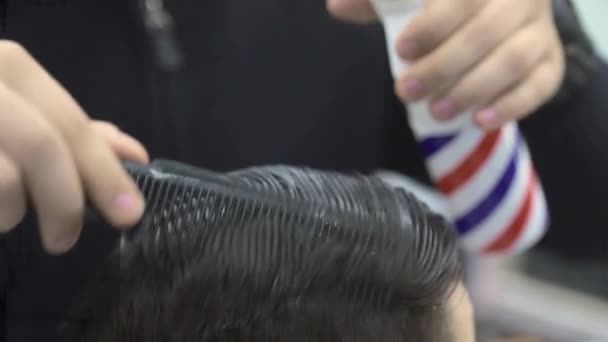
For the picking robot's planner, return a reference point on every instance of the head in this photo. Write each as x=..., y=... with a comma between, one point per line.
x=259, y=281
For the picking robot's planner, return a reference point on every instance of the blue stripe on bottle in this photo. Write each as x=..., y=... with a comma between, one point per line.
x=487, y=205
x=433, y=144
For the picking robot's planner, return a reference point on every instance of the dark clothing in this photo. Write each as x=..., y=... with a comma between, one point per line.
x=263, y=82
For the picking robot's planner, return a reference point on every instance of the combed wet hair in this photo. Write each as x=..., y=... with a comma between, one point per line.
x=378, y=268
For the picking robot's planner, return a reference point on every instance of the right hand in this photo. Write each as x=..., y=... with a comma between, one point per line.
x=52, y=154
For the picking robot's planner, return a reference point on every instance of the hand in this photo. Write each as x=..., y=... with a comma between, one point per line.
x=51, y=153
x=501, y=59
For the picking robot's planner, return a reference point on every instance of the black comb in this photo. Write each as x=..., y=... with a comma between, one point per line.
x=266, y=217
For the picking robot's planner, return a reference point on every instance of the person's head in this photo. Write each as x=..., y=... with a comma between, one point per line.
x=253, y=283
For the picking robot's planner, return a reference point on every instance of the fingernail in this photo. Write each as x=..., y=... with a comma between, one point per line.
x=488, y=117
x=443, y=109
x=127, y=202
x=407, y=49
x=412, y=89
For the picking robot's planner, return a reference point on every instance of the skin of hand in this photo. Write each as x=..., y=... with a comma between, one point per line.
x=499, y=59
x=461, y=315
x=52, y=156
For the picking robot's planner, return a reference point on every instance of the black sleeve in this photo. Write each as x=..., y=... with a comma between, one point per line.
x=568, y=140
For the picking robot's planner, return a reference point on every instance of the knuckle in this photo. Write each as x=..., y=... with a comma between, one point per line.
x=544, y=86
x=532, y=94
x=78, y=131
x=12, y=53
x=519, y=56
x=526, y=102
x=39, y=143
x=65, y=218
x=69, y=214
x=12, y=48
x=105, y=128
x=428, y=29
x=509, y=108
x=10, y=182
x=434, y=75
x=479, y=39
x=105, y=125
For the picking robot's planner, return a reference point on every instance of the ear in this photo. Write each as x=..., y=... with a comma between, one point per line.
x=461, y=315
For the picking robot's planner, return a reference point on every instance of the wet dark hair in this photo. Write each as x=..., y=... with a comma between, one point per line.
x=276, y=286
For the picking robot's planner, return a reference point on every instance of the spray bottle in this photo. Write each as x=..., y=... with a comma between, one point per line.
x=487, y=178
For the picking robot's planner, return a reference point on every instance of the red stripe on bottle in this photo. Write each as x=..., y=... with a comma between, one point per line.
x=515, y=228
x=465, y=170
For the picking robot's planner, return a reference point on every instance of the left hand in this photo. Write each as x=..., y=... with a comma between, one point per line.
x=501, y=59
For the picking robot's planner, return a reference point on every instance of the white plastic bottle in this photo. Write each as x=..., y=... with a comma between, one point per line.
x=487, y=178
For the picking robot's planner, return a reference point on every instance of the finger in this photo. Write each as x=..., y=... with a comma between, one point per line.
x=436, y=22
x=359, y=11
x=527, y=97
x=49, y=173
x=103, y=177
x=125, y=146
x=12, y=198
x=442, y=68
x=502, y=70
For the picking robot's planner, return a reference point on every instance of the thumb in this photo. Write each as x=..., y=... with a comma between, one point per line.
x=125, y=146
x=358, y=11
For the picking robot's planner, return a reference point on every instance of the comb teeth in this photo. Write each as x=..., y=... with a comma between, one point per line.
x=266, y=223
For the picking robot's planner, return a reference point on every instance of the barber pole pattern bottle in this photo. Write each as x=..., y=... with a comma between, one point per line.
x=487, y=178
